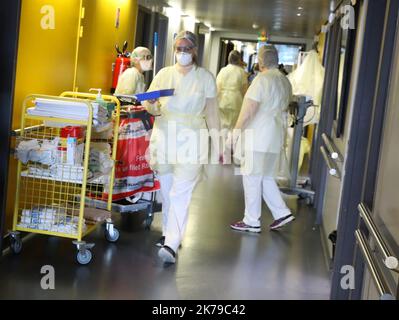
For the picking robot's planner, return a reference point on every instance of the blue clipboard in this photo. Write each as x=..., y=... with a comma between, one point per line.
x=155, y=94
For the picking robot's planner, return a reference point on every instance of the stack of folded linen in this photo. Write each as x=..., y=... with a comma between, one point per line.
x=100, y=158
x=69, y=173
x=59, y=172
x=59, y=109
x=69, y=110
x=101, y=119
x=100, y=114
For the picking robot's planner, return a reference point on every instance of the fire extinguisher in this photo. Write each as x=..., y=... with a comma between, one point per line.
x=121, y=64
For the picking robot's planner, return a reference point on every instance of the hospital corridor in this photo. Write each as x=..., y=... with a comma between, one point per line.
x=215, y=263
x=199, y=153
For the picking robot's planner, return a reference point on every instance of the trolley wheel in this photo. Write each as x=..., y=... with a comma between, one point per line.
x=112, y=238
x=16, y=245
x=84, y=257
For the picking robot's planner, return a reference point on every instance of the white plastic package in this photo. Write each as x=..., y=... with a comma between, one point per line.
x=32, y=150
x=308, y=80
x=24, y=148
x=50, y=219
x=100, y=158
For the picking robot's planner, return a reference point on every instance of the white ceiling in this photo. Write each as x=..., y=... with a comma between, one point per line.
x=276, y=17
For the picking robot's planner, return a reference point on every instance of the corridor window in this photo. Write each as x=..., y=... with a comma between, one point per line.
x=288, y=54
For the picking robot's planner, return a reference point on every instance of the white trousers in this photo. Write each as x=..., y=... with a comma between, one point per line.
x=254, y=188
x=166, y=185
x=176, y=196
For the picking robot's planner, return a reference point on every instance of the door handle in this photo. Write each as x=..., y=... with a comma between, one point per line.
x=389, y=259
x=332, y=169
x=379, y=280
x=334, y=153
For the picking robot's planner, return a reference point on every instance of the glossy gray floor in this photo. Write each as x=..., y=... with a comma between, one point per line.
x=213, y=263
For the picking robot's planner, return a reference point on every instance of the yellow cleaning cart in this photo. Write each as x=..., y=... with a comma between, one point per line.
x=59, y=168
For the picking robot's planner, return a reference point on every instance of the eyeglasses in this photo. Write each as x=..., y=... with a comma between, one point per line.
x=147, y=57
x=184, y=49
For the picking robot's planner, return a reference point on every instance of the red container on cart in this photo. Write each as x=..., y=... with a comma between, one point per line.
x=69, y=132
x=72, y=132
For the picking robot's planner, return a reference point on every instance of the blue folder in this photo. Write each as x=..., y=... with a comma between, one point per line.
x=154, y=94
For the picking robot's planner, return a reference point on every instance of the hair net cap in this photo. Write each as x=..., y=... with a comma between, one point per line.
x=187, y=35
x=139, y=53
x=268, y=56
x=234, y=57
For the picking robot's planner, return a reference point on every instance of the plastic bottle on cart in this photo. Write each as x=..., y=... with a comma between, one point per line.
x=99, y=98
x=71, y=145
x=107, y=106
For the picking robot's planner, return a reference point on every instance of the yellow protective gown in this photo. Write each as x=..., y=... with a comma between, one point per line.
x=308, y=80
x=231, y=81
x=176, y=146
x=265, y=138
x=131, y=81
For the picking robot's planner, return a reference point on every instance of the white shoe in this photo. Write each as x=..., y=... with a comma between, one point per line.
x=167, y=255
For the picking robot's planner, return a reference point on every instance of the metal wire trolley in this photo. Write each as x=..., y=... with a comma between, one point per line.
x=66, y=154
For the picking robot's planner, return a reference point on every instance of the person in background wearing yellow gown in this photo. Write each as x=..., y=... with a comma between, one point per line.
x=232, y=83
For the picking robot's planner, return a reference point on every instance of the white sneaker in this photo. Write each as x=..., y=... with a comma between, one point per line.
x=167, y=255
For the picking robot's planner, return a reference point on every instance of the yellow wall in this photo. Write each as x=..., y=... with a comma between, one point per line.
x=45, y=62
x=96, y=48
x=47, y=58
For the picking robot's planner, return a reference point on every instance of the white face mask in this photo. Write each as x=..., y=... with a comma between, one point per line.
x=184, y=59
x=146, y=65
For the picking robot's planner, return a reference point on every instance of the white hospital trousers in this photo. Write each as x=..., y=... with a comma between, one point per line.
x=166, y=181
x=254, y=188
x=176, y=219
